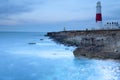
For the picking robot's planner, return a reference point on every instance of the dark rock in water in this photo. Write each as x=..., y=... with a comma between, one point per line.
x=41, y=39
x=66, y=48
x=31, y=43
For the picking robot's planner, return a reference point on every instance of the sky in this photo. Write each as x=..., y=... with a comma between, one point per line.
x=54, y=15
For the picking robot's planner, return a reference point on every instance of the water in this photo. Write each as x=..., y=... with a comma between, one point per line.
x=47, y=60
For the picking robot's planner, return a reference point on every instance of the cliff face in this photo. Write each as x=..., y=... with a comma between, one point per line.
x=108, y=40
x=91, y=42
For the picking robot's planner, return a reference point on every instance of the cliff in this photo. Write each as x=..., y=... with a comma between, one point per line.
x=91, y=43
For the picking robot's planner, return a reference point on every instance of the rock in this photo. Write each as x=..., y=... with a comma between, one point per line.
x=66, y=48
x=31, y=43
x=41, y=39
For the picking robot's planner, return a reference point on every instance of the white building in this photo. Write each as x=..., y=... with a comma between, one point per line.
x=112, y=25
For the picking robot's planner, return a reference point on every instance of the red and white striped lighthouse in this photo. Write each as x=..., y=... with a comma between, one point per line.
x=98, y=14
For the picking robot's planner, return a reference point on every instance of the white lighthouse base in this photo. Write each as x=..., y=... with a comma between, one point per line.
x=99, y=25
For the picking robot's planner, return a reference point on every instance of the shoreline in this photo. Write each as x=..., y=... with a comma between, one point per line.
x=102, y=44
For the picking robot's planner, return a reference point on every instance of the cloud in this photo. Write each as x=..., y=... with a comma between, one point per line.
x=9, y=22
x=57, y=11
x=54, y=11
x=11, y=7
x=15, y=7
x=45, y=10
x=111, y=10
x=116, y=13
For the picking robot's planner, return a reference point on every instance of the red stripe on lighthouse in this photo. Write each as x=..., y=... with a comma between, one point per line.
x=98, y=17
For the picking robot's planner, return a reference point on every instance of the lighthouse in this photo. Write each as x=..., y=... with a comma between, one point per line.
x=98, y=15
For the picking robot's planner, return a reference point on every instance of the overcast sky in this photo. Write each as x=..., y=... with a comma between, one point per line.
x=54, y=15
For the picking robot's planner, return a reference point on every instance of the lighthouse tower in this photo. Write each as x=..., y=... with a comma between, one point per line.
x=98, y=15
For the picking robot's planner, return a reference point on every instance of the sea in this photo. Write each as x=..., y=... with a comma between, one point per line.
x=33, y=56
